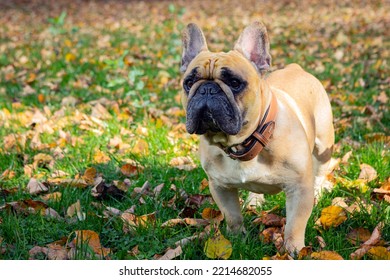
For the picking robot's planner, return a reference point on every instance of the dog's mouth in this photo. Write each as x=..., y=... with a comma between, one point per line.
x=212, y=113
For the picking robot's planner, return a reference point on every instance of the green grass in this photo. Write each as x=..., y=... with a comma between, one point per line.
x=133, y=62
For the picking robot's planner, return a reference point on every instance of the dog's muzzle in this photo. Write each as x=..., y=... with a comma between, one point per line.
x=209, y=109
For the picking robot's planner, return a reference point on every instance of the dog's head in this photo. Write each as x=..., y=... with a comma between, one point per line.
x=222, y=92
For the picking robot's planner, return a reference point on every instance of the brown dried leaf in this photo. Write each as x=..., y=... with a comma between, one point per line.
x=358, y=235
x=367, y=173
x=78, y=183
x=55, y=196
x=131, y=221
x=57, y=252
x=203, y=185
x=267, y=235
x=171, y=254
x=372, y=241
x=270, y=219
x=89, y=175
x=183, y=163
x=75, y=210
x=129, y=170
x=305, y=252
x=211, y=214
x=92, y=239
x=36, y=187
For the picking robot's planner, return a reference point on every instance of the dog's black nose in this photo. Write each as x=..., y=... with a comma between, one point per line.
x=209, y=88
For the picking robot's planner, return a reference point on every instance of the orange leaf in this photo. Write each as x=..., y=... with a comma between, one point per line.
x=89, y=175
x=211, y=214
x=379, y=253
x=326, y=255
x=129, y=169
x=92, y=239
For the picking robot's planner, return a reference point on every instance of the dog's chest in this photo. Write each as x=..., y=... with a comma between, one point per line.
x=253, y=175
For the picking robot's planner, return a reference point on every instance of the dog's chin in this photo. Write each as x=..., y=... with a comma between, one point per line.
x=207, y=124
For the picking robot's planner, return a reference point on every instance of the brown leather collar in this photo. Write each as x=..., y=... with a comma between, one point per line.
x=260, y=138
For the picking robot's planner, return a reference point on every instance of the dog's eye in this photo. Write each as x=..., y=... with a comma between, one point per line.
x=234, y=83
x=188, y=85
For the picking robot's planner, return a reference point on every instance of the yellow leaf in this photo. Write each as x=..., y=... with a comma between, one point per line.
x=379, y=253
x=332, y=216
x=358, y=184
x=100, y=157
x=70, y=57
x=326, y=255
x=218, y=247
x=55, y=196
x=141, y=147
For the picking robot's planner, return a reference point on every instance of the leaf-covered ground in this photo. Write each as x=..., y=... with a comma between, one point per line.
x=95, y=161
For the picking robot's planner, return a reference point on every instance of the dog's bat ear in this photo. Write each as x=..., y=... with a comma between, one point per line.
x=253, y=43
x=194, y=42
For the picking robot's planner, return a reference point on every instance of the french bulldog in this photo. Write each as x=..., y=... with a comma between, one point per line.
x=262, y=132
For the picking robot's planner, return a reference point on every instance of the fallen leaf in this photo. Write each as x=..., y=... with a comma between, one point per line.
x=346, y=158
x=332, y=216
x=89, y=175
x=379, y=253
x=367, y=173
x=270, y=220
x=372, y=241
x=57, y=252
x=211, y=214
x=281, y=257
x=43, y=160
x=171, y=254
x=36, y=187
x=141, y=147
x=326, y=255
x=321, y=241
x=55, y=196
x=78, y=183
x=75, y=210
x=198, y=199
x=101, y=157
x=183, y=163
x=305, y=253
x=129, y=170
x=131, y=221
x=218, y=246
x=185, y=221
x=377, y=137
x=203, y=185
x=134, y=251
x=90, y=238
x=358, y=235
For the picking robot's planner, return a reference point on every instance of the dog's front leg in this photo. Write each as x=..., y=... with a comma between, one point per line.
x=228, y=202
x=299, y=204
